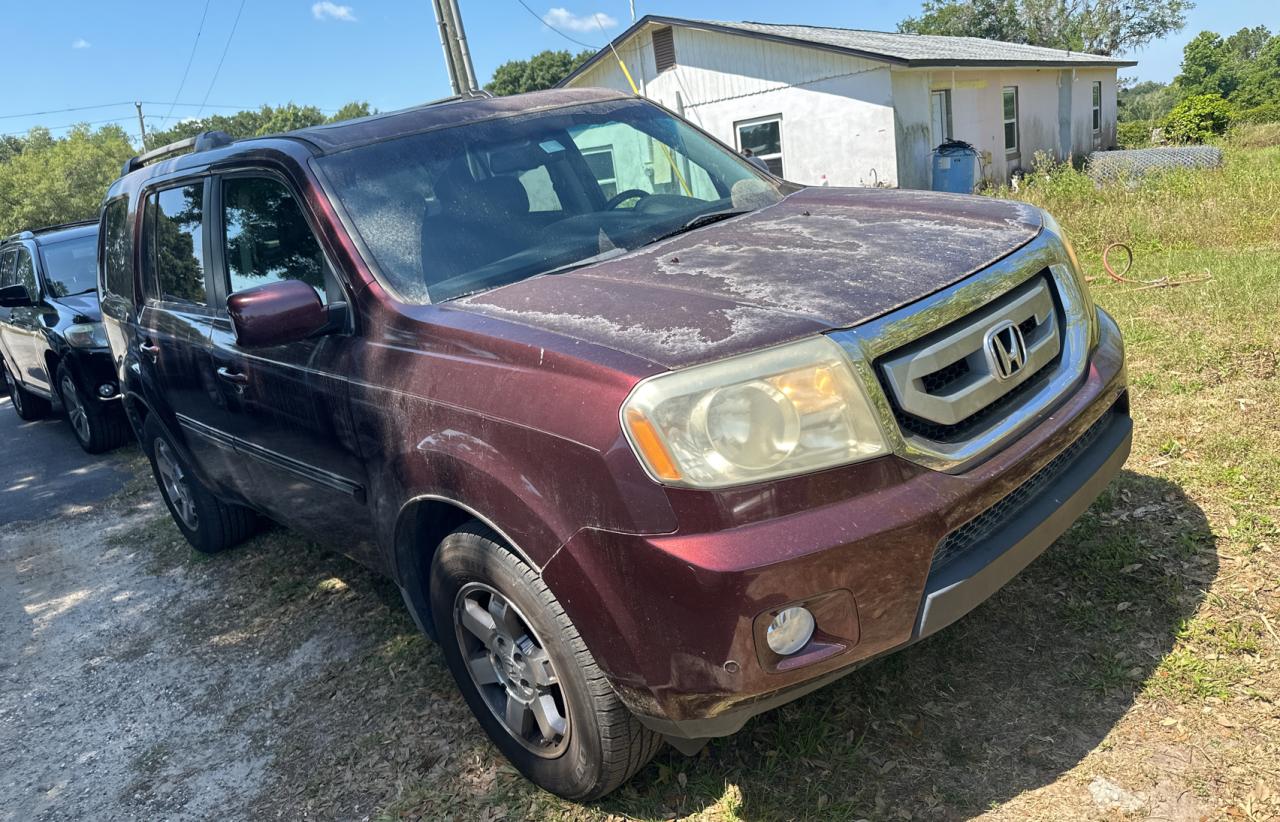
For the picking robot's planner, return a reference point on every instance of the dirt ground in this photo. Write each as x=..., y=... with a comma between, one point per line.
x=140, y=682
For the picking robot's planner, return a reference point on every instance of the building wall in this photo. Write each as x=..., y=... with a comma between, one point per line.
x=913, y=128
x=859, y=122
x=836, y=111
x=1055, y=115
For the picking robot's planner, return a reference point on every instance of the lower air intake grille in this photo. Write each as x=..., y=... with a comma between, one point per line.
x=964, y=538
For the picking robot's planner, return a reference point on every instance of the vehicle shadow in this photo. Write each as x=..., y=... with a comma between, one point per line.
x=1000, y=703
x=1004, y=701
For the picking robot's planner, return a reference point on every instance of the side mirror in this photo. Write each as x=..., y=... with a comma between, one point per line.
x=14, y=296
x=276, y=313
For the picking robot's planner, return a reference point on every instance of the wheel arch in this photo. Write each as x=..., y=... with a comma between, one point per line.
x=422, y=524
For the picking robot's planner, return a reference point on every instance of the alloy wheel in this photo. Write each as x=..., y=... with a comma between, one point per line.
x=511, y=669
x=174, y=483
x=76, y=412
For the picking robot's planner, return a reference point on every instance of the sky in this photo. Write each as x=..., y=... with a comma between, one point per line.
x=62, y=54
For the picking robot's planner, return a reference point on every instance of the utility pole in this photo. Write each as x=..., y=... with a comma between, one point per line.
x=142, y=128
x=633, y=11
x=453, y=39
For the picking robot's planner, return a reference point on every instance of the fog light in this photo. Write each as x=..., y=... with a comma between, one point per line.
x=790, y=630
x=106, y=390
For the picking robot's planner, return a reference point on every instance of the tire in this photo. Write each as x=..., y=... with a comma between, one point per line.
x=97, y=428
x=27, y=405
x=208, y=523
x=602, y=744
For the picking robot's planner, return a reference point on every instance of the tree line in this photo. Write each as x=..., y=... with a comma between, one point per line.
x=45, y=180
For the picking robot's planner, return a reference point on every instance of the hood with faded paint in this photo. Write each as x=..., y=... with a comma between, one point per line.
x=821, y=259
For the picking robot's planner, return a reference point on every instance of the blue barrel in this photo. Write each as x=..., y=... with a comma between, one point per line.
x=955, y=167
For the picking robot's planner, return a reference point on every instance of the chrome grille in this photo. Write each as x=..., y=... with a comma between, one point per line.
x=1043, y=260
x=945, y=386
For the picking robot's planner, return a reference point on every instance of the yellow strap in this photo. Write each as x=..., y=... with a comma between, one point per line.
x=666, y=150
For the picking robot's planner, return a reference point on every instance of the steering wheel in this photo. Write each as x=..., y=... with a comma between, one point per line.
x=622, y=196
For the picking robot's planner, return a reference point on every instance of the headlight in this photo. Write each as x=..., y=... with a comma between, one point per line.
x=87, y=335
x=788, y=410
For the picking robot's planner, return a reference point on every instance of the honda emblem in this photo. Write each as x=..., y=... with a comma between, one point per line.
x=1006, y=350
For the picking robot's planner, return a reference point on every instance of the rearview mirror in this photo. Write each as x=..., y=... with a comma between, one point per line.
x=14, y=296
x=276, y=313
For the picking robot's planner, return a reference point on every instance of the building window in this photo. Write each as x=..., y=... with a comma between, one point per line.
x=1011, y=119
x=664, y=49
x=600, y=161
x=940, y=111
x=1097, y=106
x=763, y=139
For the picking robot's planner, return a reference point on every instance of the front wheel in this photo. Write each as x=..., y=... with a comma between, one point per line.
x=208, y=523
x=97, y=428
x=527, y=675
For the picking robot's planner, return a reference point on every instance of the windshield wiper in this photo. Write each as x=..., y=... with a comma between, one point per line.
x=598, y=258
x=700, y=221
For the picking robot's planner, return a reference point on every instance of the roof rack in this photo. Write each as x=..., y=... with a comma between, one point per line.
x=30, y=233
x=204, y=141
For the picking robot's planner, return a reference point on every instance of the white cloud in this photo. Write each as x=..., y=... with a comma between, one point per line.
x=80, y=43
x=581, y=23
x=326, y=10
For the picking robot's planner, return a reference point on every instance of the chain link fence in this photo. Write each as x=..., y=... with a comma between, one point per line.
x=1133, y=164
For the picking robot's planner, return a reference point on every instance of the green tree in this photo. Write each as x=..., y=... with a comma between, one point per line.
x=55, y=181
x=256, y=123
x=1243, y=68
x=542, y=70
x=1149, y=100
x=1093, y=26
x=1198, y=118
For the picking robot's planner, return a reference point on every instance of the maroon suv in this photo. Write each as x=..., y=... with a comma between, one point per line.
x=651, y=441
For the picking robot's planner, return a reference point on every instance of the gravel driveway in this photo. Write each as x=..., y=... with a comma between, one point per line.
x=141, y=681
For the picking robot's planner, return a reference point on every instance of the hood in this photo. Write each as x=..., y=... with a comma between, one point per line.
x=819, y=260
x=83, y=305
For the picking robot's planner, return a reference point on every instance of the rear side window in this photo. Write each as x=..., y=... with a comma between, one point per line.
x=117, y=249
x=267, y=236
x=173, y=224
x=7, y=259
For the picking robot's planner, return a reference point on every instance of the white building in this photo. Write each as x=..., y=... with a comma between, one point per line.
x=865, y=107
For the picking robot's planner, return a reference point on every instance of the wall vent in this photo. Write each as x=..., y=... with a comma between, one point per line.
x=664, y=49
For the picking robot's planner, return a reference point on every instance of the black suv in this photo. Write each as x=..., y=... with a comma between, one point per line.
x=51, y=333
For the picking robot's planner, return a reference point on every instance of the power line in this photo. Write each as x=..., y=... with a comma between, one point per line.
x=62, y=110
x=192, y=56
x=71, y=125
x=117, y=105
x=225, y=48
x=556, y=30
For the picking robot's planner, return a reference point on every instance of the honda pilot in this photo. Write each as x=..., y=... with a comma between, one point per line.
x=650, y=440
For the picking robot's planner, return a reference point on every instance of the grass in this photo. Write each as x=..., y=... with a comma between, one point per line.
x=1140, y=649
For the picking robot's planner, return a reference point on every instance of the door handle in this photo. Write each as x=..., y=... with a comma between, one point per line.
x=152, y=351
x=233, y=377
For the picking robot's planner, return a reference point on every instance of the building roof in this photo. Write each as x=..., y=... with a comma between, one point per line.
x=906, y=50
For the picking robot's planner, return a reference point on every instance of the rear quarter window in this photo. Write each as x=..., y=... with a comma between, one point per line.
x=117, y=250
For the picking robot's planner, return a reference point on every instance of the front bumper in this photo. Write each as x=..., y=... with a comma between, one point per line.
x=94, y=367
x=675, y=620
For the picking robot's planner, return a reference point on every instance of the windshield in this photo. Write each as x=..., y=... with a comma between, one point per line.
x=71, y=266
x=460, y=210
